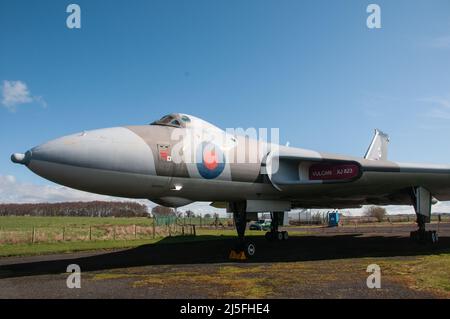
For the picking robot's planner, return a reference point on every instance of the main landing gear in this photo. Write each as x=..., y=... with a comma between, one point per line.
x=422, y=205
x=422, y=235
x=243, y=249
x=274, y=234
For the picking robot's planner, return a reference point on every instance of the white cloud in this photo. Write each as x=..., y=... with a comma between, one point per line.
x=15, y=93
x=203, y=208
x=14, y=191
x=440, y=207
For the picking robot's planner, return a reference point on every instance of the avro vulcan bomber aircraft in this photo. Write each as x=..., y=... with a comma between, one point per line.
x=181, y=159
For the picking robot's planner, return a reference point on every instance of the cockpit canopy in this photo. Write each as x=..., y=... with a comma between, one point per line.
x=174, y=120
x=201, y=127
x=180, y=120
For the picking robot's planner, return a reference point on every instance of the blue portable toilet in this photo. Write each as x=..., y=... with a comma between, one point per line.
x=333, y=219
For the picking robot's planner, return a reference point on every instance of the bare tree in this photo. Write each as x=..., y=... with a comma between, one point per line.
x=160, y=211
x=189, y=213
x=85, y=209
x=377, y=212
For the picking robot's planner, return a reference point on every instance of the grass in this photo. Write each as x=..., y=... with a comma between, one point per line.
x=423, y=273
x=67, y=247
x=21, y=230
x=430, y=272
x=40, y=248
x=229, y=281
x=27, y=249
x=28, y=222
x=434, y=273
x=16, y=233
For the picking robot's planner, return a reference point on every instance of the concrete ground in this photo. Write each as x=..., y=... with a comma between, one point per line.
x=324, y=263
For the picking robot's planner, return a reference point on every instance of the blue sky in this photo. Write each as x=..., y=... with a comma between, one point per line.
x=311, y=68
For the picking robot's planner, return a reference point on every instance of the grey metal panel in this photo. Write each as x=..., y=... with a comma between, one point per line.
x=268, y=205
x=250, y=168
x=155, y=135
x=114, y=183
x=116, y=149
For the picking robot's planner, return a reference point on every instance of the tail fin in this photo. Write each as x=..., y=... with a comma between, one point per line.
x=378, y=149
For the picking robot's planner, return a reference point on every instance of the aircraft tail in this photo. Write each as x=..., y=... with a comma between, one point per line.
x=378, y=149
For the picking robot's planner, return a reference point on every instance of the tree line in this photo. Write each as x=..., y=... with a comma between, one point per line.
x=79, y=209
x=162, y=211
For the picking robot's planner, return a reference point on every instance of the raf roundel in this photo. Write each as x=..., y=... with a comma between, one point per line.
x=210, y=160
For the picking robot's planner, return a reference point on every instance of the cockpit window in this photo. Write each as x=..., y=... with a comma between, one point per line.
x=185, y=118
x=169, y=120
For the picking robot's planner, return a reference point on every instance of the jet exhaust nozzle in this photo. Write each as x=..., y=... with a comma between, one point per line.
x=20, y=158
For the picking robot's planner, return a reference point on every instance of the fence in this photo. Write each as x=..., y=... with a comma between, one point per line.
x=306, y=217
x=157, y=227
x=92, y=233
x=197, y=221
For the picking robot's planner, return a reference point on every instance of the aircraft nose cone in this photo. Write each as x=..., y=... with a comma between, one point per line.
x=78, y=160
x=20, y=158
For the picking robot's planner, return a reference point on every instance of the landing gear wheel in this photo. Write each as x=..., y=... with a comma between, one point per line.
x=279, y=236
x=250, y=249
x=285, y=235
x=433, y=237
x=430, y=236
x=414, y=236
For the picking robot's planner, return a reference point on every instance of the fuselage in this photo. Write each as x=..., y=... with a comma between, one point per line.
x=178, y=164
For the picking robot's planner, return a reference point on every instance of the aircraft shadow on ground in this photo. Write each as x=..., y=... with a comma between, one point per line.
x=170, y=252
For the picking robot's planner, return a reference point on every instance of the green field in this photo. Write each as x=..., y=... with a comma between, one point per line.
x=70, y=234
x=15, y=222
x=22, y=222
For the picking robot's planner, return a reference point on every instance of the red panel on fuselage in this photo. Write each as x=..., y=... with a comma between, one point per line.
x=333, y=171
